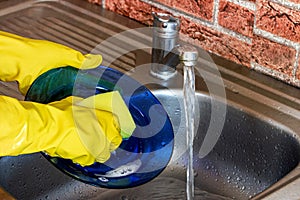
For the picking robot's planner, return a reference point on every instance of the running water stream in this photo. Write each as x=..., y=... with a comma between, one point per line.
x=189, y=107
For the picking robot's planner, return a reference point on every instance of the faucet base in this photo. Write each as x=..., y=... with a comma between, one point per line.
x=163, y=75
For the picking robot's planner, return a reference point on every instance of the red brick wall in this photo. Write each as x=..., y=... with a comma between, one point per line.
x=259, y=34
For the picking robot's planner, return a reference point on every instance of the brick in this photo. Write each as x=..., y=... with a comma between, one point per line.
x=236, y=18
x=197, y=8
x=278, y=20
x=216, y=42
x=133, y=9
x=273, y=55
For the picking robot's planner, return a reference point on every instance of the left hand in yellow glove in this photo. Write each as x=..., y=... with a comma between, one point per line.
x=23, y=59
x=84, y=130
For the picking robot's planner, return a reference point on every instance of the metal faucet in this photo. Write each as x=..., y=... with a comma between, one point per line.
x=166, y=55
x=166, y=52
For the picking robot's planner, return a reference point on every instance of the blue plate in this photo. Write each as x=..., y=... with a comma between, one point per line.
x=138, y=159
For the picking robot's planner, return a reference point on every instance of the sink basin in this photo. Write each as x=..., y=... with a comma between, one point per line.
x=250, y=156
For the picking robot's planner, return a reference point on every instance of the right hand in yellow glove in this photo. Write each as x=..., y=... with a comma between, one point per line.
x=70, y=128
x=83, y=130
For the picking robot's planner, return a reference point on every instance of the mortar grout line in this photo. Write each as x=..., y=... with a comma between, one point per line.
x=103, y=4
x=216, y=12
x=170, y=10
x=287, y=4
x=234, y=34
x=245, y=4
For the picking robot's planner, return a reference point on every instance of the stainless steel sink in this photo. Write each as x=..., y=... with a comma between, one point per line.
x=250, y=156
x=256, y=155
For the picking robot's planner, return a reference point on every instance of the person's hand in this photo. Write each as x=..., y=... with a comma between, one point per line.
x=83, y=130
x=23, y=59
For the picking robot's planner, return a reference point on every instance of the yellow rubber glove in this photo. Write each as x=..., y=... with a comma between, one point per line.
x=83, y=130
x=70, y=128
x=23, y=59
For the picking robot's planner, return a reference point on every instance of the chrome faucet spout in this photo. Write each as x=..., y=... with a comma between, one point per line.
x=165, y=38
x=188, y=55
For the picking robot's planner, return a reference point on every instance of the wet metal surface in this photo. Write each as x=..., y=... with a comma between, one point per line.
x=258, y=149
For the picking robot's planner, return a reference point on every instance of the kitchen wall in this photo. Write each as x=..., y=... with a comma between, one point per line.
x=260, y=34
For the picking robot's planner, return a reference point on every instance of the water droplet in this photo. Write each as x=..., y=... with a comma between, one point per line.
x=103, y=179
x=258, y=181
x=124, y=197
x=235, y=91
x=267, y=137
x=163, y=143
x=195, y=174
